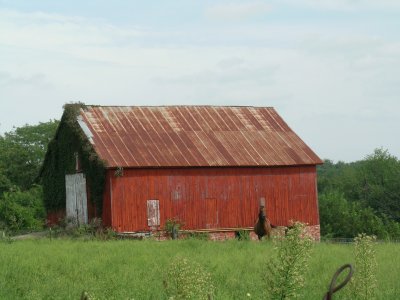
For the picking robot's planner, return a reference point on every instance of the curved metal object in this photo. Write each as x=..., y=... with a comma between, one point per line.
x=332, y=288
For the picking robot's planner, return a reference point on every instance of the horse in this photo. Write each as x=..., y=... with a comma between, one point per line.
x=263, y=226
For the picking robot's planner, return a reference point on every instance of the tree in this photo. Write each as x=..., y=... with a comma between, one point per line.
x=5, y=183
x=339, y=176
x=362, y=196
x=22, y=151
x=379, y=183
x=345, y=219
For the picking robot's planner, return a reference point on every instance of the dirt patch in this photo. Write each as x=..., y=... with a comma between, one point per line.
x=31, y=236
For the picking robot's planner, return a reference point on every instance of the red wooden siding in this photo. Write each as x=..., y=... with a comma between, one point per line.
x=91, y=207
x=54, y=217
x=107, y=202
x=211, y=198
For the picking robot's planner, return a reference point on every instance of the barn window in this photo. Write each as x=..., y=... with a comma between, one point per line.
x=77, y=162
x=177, y=194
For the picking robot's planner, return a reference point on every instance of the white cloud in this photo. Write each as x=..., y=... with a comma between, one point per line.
x=6, y=79
x=324, y=80
x=53, y=32
x=237, y=10
x=346, y=5
x=235, y=74
x=231, y=62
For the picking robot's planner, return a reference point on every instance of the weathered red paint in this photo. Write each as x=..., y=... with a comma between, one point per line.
x=54, y=217
x=206, y=165
x=193, y=136
x=210, y=198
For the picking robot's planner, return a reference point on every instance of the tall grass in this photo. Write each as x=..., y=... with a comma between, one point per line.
x=62, y=269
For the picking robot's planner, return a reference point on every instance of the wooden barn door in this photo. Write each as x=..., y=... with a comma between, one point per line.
x=153, y=213
x=76, y=200
x=211, y=213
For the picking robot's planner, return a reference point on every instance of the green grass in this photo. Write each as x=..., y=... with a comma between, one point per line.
x=62, y=269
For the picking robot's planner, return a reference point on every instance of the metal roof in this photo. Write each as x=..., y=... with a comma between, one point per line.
x=192, y=136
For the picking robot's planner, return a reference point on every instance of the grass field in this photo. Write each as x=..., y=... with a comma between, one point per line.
x=62, y=269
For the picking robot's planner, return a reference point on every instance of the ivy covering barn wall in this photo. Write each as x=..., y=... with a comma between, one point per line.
x=60, y=160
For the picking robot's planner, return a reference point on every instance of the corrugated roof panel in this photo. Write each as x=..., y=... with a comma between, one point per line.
x=194, y=136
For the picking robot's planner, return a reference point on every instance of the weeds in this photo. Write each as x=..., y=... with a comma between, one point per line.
x=5, y=237
x=365, y=283
x=88, y=296
x=286, y=273
x=185, y=279
x=242, y=235
x=92, y=231
x=202, y=236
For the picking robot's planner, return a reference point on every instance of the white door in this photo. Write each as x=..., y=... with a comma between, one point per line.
x=76, y=198
x=153, y=213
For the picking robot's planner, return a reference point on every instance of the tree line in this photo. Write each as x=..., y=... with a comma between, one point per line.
x=22, y=152
x=361, y=196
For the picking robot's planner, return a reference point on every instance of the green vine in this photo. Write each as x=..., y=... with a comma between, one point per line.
x=60, y=160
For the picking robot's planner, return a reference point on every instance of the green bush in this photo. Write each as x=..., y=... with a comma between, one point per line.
x=172, y=227
x=22, y=209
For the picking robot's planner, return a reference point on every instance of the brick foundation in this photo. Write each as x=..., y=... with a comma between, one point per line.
x=221, y=236
x=312, y=231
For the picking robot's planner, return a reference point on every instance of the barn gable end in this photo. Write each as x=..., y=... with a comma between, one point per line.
x=68, y=153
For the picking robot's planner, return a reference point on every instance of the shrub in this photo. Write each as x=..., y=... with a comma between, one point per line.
x=185, y=279
x=172, y=227
x=22, y=209
x=286, y=273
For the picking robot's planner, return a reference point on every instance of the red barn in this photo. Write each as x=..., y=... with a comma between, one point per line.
x=208, y=166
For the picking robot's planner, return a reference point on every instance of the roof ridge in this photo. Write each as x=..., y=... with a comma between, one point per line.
x=182, y=105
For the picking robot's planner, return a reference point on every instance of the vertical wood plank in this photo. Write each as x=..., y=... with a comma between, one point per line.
x=76, y=198
x=185, y=194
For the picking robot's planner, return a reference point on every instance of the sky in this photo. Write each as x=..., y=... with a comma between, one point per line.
x=331, y=68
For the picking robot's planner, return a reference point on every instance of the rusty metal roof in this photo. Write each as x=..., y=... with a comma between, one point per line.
x=193, y=136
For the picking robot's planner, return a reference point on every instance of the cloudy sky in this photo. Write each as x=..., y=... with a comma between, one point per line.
x=331, y=68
